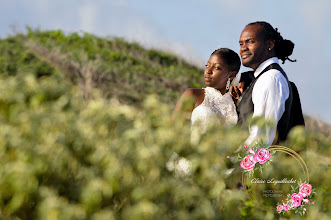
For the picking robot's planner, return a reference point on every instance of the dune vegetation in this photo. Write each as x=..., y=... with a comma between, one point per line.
x=87, y=132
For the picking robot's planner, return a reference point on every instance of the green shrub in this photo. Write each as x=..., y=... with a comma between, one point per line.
x=66, y=156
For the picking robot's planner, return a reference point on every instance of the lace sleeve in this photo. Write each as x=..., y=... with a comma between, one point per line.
x=231, y=117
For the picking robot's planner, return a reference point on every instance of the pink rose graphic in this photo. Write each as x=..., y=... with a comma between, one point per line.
x=286, y=207
x=280, y=208
x=296, y=199
x=247, y=163
x=305, y=189
x=262, y=156
x=251, y=151
x=305, y=201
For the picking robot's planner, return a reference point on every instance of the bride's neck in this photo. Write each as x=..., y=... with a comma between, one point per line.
x=222, y=90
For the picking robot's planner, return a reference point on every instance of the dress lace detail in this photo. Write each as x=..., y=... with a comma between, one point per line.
x=214, y=104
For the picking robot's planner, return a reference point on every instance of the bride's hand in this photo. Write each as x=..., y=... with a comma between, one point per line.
x=235, y=92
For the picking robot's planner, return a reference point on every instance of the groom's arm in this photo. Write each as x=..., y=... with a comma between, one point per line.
x=269, y=95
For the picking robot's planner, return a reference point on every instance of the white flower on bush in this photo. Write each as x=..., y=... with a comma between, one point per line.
x=180, y=165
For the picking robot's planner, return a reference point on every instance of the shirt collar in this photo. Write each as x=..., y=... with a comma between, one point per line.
x=264, y=65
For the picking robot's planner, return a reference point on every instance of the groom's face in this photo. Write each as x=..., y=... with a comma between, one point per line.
x=253, y=47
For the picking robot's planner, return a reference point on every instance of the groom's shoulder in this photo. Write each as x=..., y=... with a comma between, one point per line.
x=272, y=75
x=271, y=80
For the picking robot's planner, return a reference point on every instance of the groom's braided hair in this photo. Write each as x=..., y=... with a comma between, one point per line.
x=283, y=47
x=230, y=57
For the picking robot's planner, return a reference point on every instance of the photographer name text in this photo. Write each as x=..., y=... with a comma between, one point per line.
x=273, y=181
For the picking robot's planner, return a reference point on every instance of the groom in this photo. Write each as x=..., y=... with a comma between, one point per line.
x=270, y=94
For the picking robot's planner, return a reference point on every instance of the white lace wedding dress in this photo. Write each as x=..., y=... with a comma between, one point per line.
x=214, y=105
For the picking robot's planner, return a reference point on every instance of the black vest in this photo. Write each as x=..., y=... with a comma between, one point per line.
x=245, y=106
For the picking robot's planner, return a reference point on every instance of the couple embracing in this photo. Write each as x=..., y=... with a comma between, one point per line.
x=264, y=92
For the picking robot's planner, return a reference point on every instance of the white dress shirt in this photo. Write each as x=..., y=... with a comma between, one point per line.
x=269, y=95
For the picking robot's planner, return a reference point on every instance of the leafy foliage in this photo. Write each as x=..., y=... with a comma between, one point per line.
x=119, y=69
x=70, y=150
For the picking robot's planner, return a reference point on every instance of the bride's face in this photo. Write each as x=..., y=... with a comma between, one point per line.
x=216, y=72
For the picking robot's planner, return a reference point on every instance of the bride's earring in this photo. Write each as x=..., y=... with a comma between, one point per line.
x=228, y=84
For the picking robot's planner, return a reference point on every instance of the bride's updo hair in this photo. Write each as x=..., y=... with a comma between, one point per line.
x=230, y=57
x=283, y=47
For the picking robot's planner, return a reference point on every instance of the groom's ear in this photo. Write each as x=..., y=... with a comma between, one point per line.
x=271, y=44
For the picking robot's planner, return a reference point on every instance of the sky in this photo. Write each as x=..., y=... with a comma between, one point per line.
x=192, y=29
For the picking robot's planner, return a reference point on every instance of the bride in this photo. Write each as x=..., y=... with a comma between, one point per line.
x=214, y=100
x=207, y=103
